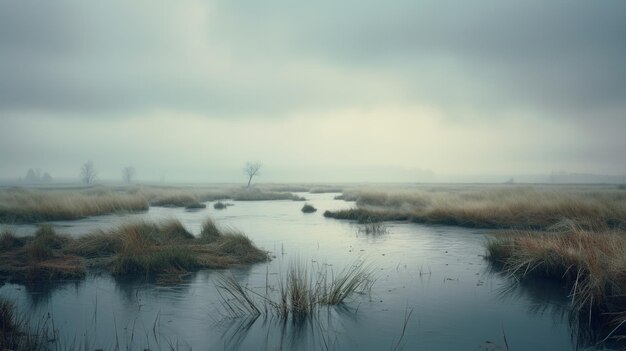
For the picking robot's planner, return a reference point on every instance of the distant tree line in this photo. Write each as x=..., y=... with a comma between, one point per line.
x=35, y=176
x=89, y=174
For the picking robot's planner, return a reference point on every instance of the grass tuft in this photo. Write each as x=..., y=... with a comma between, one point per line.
x=136, y=248
x=210, y=232
x=300, y=295
x=8, y=241
x=510, y=207
x=307, y=208
x=591, y=263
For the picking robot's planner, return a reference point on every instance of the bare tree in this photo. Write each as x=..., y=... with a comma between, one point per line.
x=251, y=169
x=88, y=173
x=128, y=173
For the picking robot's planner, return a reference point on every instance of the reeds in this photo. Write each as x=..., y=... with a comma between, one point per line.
x=210, y=232
x=591, y=263
x=17, y=333
x=22, y=205
x=28, y=205
x=135, y=249
x=38, y=258
x=22, y=332
x=492, y=207
x=303, y=291
x=367, y=216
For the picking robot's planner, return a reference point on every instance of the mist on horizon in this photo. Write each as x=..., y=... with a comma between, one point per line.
x=189, y=91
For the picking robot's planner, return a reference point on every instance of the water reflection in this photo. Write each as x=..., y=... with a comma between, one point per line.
x=42, y=293
x=588, y=329
x=459, y=301
x=317, y=332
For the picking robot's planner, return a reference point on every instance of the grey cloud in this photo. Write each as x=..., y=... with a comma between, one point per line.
x=561, y=59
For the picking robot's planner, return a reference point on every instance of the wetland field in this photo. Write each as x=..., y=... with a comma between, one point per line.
x=391, y=267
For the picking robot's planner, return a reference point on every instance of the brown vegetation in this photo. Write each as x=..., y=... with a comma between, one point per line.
x=592, y=263
x=140, y=248
x=21, y=205
x=17, y=333
x=492, y=207
x=38, y=258
x=30, y=206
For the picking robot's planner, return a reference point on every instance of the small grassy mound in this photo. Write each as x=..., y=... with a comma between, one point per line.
x=325, y=189
x=177, y=200
x=139, y=248
x=151, y=249
x=154, y=260
x=38, y=258
x=308, y=208
x=255, y=194
x=239, y=246
x=210, y=232
x=221, y=205
x=367, y=216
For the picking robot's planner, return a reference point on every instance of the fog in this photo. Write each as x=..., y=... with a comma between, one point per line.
x=188, y=91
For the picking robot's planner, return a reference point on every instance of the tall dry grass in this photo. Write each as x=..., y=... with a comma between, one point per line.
x=160, y=248
x=25, y=205
x=592, y=263
x=522, y=207
x=133, y=249
x=34, y=205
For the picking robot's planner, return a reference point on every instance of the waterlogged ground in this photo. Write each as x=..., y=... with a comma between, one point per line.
x=434, y=275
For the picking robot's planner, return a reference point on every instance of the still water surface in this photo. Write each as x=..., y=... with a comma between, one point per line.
x=437, y=273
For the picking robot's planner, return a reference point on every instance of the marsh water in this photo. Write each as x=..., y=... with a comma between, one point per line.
x=433, y=291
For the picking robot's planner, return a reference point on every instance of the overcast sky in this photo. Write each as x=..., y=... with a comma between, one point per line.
x=315, y=90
